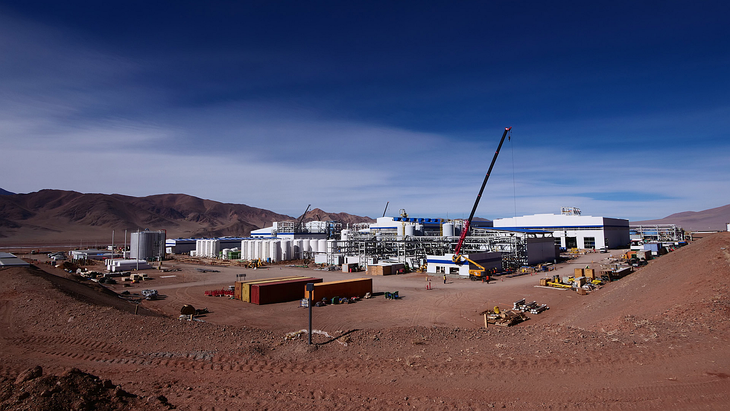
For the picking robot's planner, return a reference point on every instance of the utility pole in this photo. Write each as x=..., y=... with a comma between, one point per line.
x=310, y=291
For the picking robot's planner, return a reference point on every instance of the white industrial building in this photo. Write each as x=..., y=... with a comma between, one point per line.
x=573, y=230
x=444, y=264
x=91, y=254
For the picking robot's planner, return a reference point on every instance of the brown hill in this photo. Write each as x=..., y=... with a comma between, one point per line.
x=714, y=219
x=344, y=218
x=69, y=217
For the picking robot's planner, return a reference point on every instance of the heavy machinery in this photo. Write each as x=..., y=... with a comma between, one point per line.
x=298, y=229
x=479, y=272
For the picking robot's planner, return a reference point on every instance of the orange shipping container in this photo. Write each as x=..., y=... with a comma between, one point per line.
x=357, y=287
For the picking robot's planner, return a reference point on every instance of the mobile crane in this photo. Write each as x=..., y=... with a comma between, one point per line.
x=479, y=273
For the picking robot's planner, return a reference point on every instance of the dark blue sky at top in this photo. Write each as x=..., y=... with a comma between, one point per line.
x=598, y=93
x=450, y=67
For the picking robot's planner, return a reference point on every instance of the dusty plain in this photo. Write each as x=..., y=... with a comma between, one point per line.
x=654, y=340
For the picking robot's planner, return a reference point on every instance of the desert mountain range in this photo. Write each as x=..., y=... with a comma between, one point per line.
x=713, y=219
x=69, y=217
x=56, y=216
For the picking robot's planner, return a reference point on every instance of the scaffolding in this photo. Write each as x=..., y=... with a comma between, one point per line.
x=658, y=233
x=413, y=250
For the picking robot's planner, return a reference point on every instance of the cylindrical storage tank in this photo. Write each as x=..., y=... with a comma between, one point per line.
x=243, y=249
x=401, y=230
x=283, y=252
x=305, y=246
x=266, y=250
x=322, y=246
x=448, y=229
x=257, y=249
x=410, y=230
x=313, y=246
x=296, y=251
x=275, y=251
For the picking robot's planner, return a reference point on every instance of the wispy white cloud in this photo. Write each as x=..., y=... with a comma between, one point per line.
x=74, y=116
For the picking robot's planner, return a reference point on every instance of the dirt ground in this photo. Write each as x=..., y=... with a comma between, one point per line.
x=655, y=340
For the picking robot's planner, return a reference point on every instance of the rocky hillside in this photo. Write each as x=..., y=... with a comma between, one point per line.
x=66, y=216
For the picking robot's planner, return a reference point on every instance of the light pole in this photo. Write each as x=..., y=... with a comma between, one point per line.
x=310, y=290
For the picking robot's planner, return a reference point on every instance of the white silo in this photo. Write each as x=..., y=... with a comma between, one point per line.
x=256, y=249
x=448, y=229
x=400, y=228
x=286, y=246
x=249, y=251
x=266, y=250
x=314, y=246
x=410, y=230
x=275, y=251
x=322, y=246
x=305, y=246
x=296, y=250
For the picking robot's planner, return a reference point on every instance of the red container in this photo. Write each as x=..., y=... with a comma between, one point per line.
x=356, y=287
x=280, y=291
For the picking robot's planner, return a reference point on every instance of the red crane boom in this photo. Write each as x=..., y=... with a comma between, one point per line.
x=457, y=255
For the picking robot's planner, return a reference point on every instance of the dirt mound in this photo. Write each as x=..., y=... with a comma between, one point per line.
x=689, y=286
x=72, y=390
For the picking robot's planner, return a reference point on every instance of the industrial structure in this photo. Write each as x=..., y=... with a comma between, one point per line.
x=573, y=230
x=147, y=245
x=660, y=233
x=469, y=248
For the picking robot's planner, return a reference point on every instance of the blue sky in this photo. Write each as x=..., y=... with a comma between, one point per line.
x=618, y=108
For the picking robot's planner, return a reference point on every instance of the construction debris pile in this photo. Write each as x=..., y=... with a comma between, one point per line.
x=532, y=307
x=506, y=318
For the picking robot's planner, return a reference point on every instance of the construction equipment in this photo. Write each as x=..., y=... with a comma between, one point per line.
x=386, y=208
x=478, y=273
x=298, y=229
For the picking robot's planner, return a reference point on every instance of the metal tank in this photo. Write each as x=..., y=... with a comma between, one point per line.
x=297, y=249
x=448, y=229
x=275, y=251
x=410, y=230
x=286, y=253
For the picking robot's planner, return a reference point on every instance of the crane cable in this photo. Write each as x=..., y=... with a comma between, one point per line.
x=514, y=184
